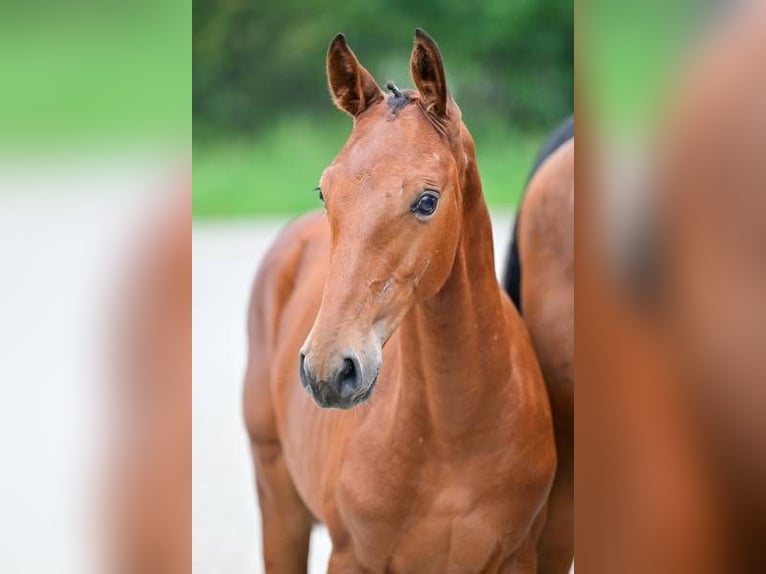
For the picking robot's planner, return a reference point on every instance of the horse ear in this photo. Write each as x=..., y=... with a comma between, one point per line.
x=427, y=72
x=352, y=87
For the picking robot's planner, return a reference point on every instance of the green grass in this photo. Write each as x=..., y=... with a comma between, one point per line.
x=277, y=173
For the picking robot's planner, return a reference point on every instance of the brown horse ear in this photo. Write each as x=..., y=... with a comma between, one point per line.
x=427, y=72
x=352, y=87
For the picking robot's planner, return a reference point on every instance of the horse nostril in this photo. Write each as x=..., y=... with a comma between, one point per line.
x=348, y=379
x=302, y=370
x=348, y=371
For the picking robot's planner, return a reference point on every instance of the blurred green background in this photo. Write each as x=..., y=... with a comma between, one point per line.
x=631, y=56
x=88, y=75
x=264, y=126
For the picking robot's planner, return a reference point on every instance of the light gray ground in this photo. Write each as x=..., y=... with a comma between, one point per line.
x=226, y=536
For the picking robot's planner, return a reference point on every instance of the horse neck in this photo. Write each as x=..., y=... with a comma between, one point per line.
x=455, y=346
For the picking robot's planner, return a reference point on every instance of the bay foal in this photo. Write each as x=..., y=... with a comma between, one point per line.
x=433, y=448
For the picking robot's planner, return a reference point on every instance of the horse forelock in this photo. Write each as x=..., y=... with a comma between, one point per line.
x=399, y=100
x=450, y=128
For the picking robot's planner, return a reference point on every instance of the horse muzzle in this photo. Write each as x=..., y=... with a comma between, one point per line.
x=341, y=381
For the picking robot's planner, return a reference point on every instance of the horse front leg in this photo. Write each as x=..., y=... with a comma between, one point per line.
x=525, y=559
x=556, y=546
x=345, y=563
x=285, y=520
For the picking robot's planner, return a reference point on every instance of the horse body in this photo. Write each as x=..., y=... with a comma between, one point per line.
x=542, y=246
x=546, y=245
x=446, y=467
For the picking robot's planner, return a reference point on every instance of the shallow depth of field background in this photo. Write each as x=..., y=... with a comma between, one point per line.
x=95, y=127
x=93, y=77
x=264, y=125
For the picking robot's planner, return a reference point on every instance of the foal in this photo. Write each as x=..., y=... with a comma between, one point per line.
x=392, y=391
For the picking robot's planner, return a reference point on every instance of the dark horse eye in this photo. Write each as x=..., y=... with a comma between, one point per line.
x=426, y=203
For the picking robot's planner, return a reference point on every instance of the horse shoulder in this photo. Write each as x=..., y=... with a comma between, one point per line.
x=531, y=414
x=273, y=286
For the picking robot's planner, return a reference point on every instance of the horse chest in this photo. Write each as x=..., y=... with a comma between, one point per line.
x=432, y=521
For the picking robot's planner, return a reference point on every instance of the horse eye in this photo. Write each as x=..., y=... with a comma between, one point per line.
x=321, y=195
x=426, y=204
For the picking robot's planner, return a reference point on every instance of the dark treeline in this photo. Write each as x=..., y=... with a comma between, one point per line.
x=258, y=60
